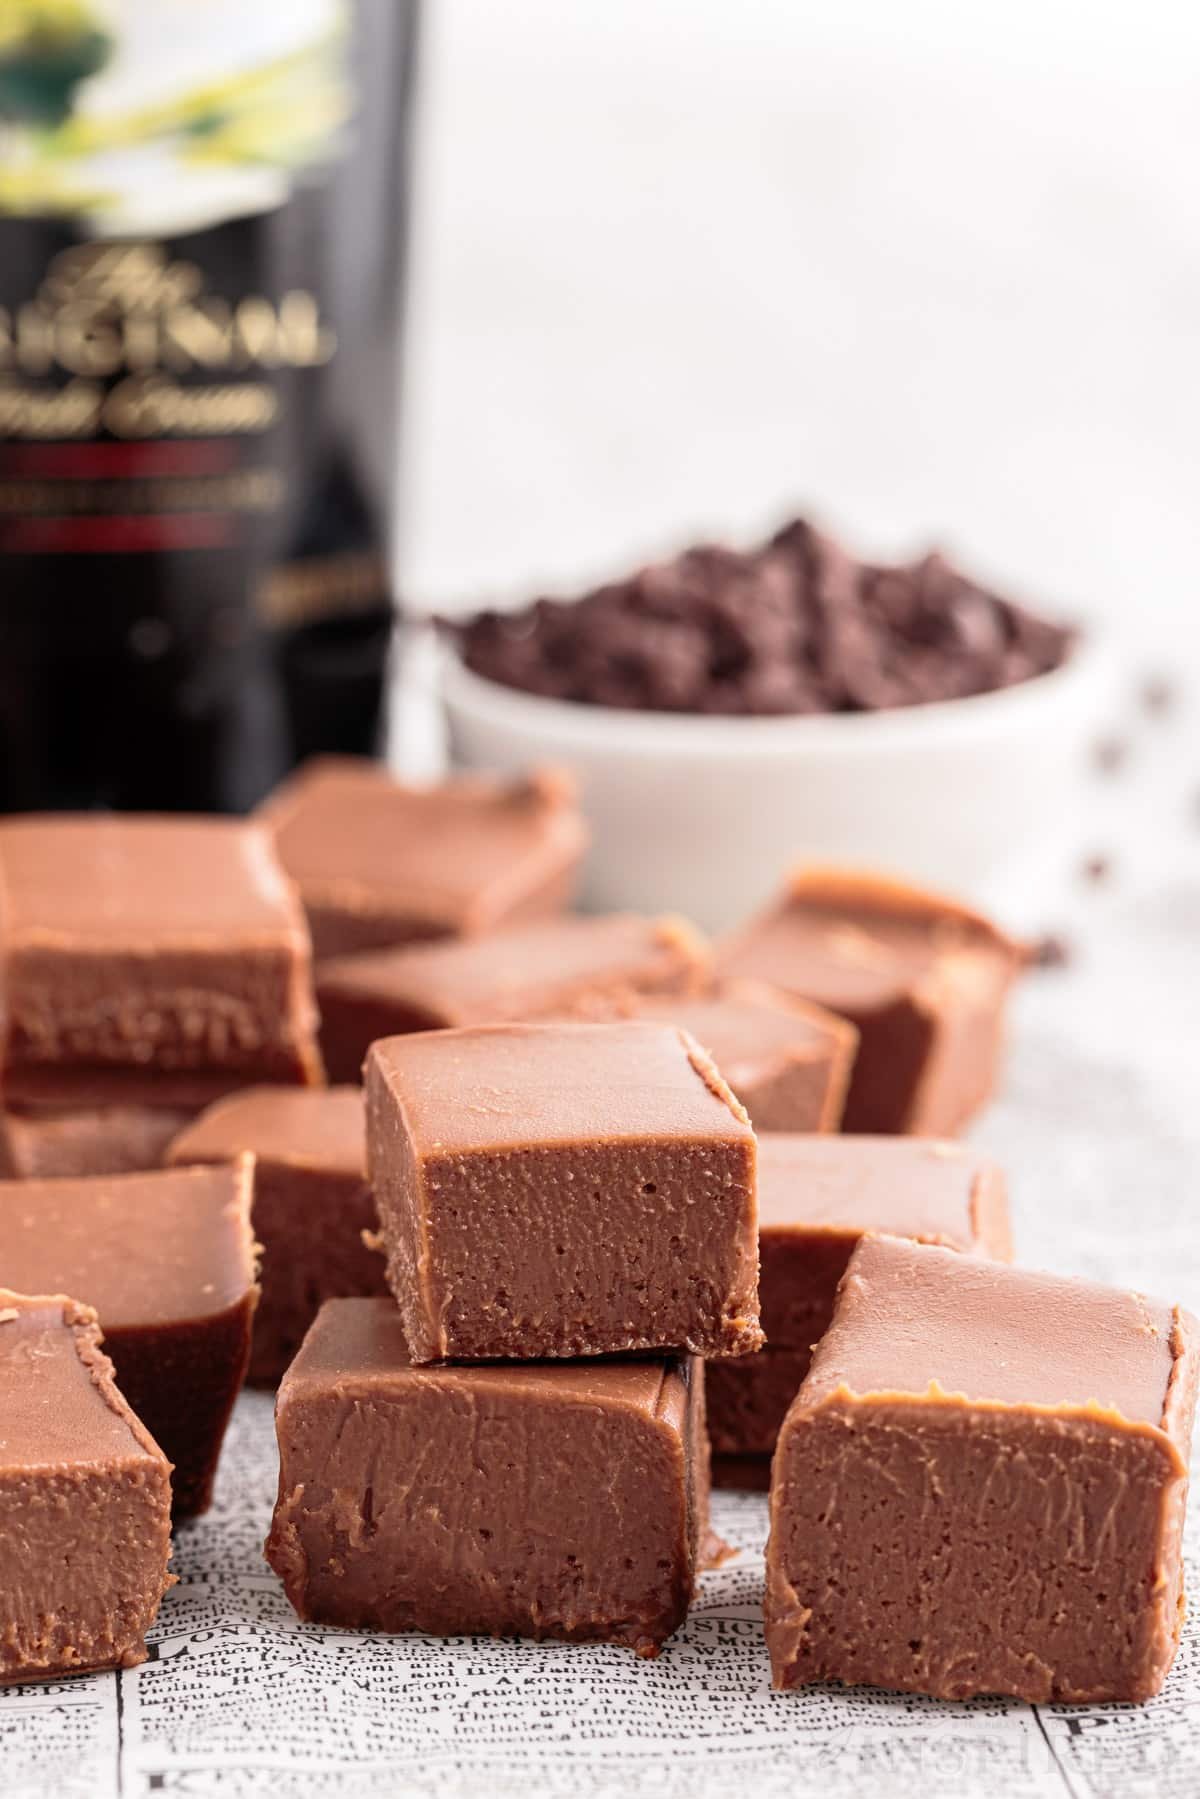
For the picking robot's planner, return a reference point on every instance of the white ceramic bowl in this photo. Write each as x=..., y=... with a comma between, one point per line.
x=704, y=815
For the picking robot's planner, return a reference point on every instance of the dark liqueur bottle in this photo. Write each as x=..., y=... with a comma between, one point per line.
x=203, y=210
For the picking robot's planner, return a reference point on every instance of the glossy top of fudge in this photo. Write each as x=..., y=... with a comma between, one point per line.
x=747, y=1021
x=949, y=1329
x=494, y=1087
x=457, y=855
x=356, y=1343
x=59, y=1404
x=909, y=1186
x=562, y=1190
x=310, y=1127
x=849, y=940
x=142, y=1249
x=149, y=960
x=115, y=1139
x=82, y=885
x=980, y=1486
x=552, y=966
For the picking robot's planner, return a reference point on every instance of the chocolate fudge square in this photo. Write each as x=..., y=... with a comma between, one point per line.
x=171, y=948
x=167, y=1261
x=574, y=966
x=788, y=1062
x=85, y=1500
x=563, y=1190
x=816, y=1197
x=562, y=1499
x=45, y=1142
x=311, y=1204
x=378, y=862
x=923, y=980
x=750, y=1399
x=819, y=1195
x=980, y=1486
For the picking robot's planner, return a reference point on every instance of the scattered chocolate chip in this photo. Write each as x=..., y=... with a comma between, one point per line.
x=1158, y=695
x=1051, y=951
x=1111, y=754
x=1097, y=869
x=797, y=625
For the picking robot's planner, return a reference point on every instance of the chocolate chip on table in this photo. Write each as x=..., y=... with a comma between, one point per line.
x=1052, y=950
x=1111, y=754
x=796, y=625
x=1158, y=695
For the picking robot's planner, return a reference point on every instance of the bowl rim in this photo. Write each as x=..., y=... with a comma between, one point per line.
x=576, y=722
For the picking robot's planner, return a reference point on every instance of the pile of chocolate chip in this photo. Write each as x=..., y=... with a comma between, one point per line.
x=796, y=626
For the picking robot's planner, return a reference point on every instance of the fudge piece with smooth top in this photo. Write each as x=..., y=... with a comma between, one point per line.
x=311, y=1204
x=39, y=1142
x=146, y=958
x=167, y=1261
x=788, y=1062
x=923, y=980
x=85, y=1500
x=816, y=1197
x=562, y=1499
x=980, y=1487
x=563, y=1190
x=378, y=862
x=576, y=966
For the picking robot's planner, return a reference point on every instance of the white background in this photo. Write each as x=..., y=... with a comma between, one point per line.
x=931, y=269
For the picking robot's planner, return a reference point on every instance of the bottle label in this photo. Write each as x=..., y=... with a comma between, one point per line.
x=161, y=117
x=157, y=391
x=202, y=218
x=122, y=345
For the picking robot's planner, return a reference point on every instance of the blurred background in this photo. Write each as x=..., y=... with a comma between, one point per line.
x=928, y=275
x=932, y=271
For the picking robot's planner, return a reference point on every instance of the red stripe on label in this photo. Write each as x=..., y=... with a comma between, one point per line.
x=117, y=535
x=67, y=461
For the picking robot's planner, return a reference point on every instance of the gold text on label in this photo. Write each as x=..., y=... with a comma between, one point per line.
x=105, y=309
x=140, y=406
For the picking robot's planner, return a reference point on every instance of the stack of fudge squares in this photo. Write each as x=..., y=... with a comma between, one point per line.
x=514, y=1441
x=592, y=1209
